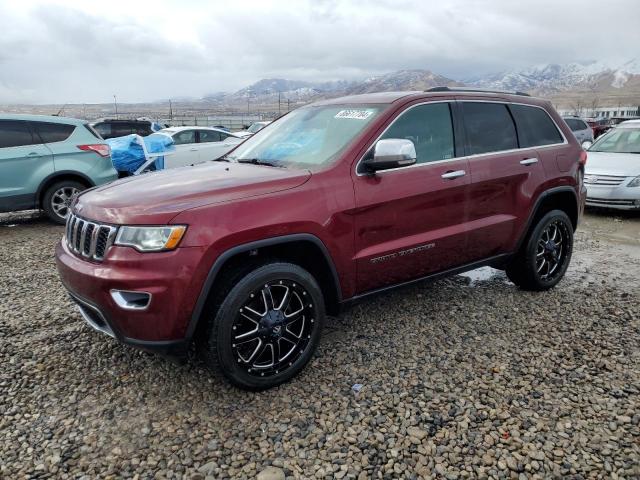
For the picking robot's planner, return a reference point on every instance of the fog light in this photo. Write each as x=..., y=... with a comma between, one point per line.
x=131, y=300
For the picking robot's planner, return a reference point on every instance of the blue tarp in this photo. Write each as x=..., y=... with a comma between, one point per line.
x=127, y=155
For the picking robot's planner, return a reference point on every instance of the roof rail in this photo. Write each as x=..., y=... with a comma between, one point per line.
x=477, y=90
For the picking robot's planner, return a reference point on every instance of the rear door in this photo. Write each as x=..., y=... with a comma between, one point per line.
x=24, y=163
x=504, y=177
x=410, y=221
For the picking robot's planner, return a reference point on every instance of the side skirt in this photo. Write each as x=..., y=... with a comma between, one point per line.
x=495, y=261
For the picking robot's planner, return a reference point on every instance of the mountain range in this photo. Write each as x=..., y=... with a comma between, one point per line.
x=606, y=84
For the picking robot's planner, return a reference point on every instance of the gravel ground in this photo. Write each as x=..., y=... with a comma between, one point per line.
x=463, y=378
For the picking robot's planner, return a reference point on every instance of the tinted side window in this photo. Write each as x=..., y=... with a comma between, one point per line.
x=142, y=129
x=15, y=133
x=207, y=136
x=103, y=129
x=430, y=129
x=489, y=127
x=185, y=137
x=575, y=124
x=122, y=129
x=52, y=132
x=535, y=127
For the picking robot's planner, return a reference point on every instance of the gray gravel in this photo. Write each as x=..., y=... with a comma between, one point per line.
x=467, y=377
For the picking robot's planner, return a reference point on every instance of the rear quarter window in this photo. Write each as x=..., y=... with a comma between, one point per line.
x=535, y=127
x=15, y=133
x=52, y=132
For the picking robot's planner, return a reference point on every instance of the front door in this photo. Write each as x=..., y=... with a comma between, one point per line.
x=410, y=221
x=186, y=150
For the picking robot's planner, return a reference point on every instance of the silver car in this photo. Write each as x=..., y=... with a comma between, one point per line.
x=612, y=175
x=580, y=129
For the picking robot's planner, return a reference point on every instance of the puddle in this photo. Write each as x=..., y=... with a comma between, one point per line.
x=482, y=274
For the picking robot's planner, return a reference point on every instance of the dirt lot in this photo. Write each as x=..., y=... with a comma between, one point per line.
x=466, y=377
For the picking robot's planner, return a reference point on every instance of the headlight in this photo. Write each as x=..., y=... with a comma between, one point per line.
x=635, y=182
x=151, y=239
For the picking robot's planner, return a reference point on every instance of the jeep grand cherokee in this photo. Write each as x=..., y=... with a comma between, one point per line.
x=333, y=202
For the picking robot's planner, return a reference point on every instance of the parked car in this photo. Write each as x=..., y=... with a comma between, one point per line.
x=46, y=161
x=111, y=128
x=253, y=129
x=342, y=199
x=582, y=131
x=198, y=144
x=612, y=176
x=598, y=126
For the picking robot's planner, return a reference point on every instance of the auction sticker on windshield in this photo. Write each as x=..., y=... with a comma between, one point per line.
x=354, y=114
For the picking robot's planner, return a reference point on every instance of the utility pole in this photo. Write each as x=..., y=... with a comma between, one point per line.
x=247, y=104
x=115, y=104
x=288, y=104
x=278, y=104
x=170, y=111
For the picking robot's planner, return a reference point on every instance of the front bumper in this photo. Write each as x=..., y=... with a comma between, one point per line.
x=619, y=197
x=173, y=279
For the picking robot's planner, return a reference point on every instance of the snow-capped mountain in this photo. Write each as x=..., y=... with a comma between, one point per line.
x=267, y=91
x=553, y=78
x=402, y=80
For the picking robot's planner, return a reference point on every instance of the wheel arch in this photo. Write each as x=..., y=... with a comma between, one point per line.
x=303, y=249
x=560, y=198
x=57, y=177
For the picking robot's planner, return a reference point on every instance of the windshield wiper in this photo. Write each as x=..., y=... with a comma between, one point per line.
x=257, y=161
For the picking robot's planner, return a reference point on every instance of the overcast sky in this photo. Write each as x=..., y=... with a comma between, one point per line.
x=85, y=51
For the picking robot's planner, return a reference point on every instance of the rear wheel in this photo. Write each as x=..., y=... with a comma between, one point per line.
x=267, y=327
x=57, y=199
x=544, y=258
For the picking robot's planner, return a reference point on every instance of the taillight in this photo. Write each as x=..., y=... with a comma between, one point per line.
x=583, y=158
x=100, y=148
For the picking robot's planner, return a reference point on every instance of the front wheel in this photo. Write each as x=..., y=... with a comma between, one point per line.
x=56, y=201
x=267, y=327
x=544, y=258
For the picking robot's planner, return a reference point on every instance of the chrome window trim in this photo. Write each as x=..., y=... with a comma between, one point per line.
x=464, y=157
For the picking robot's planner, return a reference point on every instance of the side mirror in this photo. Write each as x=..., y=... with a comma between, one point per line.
x=586, y=144
x=390, y=153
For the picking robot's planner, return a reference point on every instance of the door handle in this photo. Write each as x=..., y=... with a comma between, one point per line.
x=33, y=154
x=528, y=161
x=193, y=149
x=453, y=174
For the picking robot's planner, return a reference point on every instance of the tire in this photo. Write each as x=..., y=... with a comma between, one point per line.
x=545, y=255
x=252, y=335
x=58, y=197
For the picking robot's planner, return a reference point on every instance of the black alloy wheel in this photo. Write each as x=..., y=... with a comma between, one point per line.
x=273, y=327
x=545, y=254
x=263, y=324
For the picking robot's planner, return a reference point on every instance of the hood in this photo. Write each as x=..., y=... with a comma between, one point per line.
x=619, y=164
x=155, y=198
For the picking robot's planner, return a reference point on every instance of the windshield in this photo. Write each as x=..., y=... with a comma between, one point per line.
x=618, y=140
x=309, y=137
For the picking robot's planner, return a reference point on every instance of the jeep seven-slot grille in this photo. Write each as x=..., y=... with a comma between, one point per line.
x=89, y=239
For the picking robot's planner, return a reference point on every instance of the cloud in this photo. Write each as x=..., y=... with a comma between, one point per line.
x=84, y=51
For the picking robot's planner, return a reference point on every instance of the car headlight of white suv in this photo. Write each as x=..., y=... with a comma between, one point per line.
x=635, y=182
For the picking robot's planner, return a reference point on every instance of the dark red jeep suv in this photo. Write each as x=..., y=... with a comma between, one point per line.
x=335, y=201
